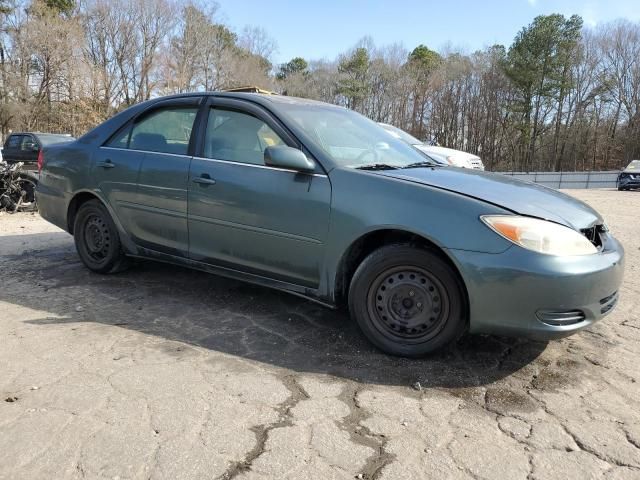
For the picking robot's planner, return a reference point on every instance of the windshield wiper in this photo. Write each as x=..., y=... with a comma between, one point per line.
x=378, y=166
x=423, y=164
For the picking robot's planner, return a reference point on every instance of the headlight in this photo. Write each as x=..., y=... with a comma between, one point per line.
x=540, y=235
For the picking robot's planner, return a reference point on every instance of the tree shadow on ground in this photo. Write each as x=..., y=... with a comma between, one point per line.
x=241, y=319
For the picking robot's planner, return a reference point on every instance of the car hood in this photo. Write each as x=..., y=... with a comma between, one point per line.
x=524, y=198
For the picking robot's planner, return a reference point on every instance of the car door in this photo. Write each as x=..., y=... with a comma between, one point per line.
x=246, y=215
x=29, y=149
x=114, y=172
x=151, y=191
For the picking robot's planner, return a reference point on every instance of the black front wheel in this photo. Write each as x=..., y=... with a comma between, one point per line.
x=97, y=240
x=407, y=301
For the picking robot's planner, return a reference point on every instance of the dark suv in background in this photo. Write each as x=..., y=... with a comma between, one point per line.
x=26, y=146
x=629, y=178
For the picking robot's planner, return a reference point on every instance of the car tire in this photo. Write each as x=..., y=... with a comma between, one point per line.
x=408, y=301
x=97, y=239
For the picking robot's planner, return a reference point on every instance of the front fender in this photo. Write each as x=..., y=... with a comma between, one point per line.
x=363, y=202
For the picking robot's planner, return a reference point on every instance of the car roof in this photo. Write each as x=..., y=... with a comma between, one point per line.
x=269, y=101
x=261, y=98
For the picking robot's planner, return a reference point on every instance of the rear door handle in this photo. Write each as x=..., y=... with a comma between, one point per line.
x=106, y=164
x=204, y=179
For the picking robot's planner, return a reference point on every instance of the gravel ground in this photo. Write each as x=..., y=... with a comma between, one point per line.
x=162, y=372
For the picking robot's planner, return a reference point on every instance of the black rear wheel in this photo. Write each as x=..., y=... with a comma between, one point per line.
x=97, y=240
x=407, y=301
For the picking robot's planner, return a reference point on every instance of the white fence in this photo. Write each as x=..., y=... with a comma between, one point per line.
x=569, y=179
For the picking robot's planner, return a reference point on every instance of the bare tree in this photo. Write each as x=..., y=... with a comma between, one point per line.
x=257, y=41
x=560, y=97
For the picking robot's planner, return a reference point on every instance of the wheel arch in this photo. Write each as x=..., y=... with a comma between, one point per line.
x=367, y=243
x=74, y=205
x=83, y=196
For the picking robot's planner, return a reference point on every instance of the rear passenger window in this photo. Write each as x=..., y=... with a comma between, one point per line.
x=165, y=130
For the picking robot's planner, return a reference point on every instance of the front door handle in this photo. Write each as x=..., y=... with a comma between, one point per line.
x=106, y=164
x=204, y=179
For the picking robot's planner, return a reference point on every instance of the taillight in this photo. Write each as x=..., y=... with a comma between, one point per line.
x=40, y=160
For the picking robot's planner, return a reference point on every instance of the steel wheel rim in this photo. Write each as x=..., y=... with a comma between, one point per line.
x=97, y=239
x=408, y=303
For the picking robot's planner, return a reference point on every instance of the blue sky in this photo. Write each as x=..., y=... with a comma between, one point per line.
x=316, y=29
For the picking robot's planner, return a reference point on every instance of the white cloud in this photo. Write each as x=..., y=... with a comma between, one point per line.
x=532, y=2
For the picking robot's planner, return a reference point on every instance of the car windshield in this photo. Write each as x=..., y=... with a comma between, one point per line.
x=401, y=134
x=352, y=140
x=634, y=165
x=53, y=139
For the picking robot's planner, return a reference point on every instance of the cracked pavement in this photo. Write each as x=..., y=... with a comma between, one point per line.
x=161, y=372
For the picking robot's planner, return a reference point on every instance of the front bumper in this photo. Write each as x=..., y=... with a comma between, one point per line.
x=628, y=182
x=526, y=294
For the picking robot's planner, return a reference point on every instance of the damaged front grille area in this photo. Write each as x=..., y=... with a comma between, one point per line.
x=594, y=233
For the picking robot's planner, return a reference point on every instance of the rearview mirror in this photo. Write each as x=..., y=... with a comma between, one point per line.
x=281, y=156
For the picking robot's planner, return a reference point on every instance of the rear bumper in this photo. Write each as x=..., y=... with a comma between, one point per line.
x=52, y=205
x=525, y=294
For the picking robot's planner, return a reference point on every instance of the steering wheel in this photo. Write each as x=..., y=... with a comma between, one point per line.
x=370, y=151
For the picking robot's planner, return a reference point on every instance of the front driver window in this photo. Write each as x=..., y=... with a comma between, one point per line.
x=238, y=137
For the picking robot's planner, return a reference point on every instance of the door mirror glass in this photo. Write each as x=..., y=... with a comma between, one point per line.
x=282, y=156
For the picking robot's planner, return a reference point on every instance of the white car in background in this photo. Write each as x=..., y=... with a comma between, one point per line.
x=444, y=155
x=455, y=157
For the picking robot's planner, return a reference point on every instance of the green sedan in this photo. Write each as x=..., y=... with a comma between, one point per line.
x=321, y=202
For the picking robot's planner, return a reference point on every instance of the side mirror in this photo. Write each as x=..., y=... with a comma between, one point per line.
x=281, y=156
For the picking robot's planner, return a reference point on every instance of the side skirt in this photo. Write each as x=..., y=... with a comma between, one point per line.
x=297, y=290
